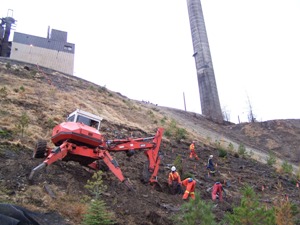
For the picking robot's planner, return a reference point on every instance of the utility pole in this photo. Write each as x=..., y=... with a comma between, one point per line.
x=184, y=102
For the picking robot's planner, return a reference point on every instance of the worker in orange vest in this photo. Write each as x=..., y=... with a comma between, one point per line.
x=174, y=181
x=190, y=184
x=217, y=190
x=193, y=152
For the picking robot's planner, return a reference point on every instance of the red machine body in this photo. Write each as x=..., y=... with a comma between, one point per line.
x=79, y=140
x=77, y=132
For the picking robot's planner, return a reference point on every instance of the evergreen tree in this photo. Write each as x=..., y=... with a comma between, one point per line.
x=196, y=212
x=283, y=212
x=97, y=213
x=23, y=123
x=250, y=211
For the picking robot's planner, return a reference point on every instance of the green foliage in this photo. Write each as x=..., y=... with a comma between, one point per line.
x=22, y=123
x=96, y=186
x=186, y=175
x=180, y=134
x=294, y=209
x=132, y=106
x=242, y=150
x=217, y=144
x=271, y=159
x=163, y=120
x=3, y=112
x=250, y=211
x=102, y=89
x=287, y=168
x=22, y=88
x=5, y=133
x=284, y=212
x=173, y=131
x=167, y=133
x=230, y=147
x=50, y=123
x=196, y=212
x=150, y=113
x=178, y=163
x=97, y=214
x=298, y=173
x=222, y=153
x=33, y=73
x=8, y=65
x=3, y=92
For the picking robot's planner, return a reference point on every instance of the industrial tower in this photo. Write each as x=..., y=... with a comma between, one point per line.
x=209, y=98
x=5, y=26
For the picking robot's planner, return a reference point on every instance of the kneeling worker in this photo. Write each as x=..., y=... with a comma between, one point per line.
x=217, y=191
x=190, y=184
x=174, y=181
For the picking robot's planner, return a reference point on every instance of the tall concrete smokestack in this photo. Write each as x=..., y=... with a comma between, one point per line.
x=209, y=98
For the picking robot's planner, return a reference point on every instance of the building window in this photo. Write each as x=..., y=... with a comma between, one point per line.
x=67, y=47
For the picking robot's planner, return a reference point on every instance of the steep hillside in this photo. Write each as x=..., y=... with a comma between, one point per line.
x=46, y=97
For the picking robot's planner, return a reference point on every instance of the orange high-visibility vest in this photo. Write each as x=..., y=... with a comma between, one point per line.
x=174, y=176
x=192, y=147
x=190, y=188
x=217, y=189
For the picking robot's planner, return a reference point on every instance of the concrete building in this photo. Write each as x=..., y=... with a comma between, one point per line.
x=209, y=98
x=53, y=52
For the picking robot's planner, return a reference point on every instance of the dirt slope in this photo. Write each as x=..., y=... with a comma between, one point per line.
x=47, y=97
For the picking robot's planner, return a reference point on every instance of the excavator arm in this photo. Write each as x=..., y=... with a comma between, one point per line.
x=150, y=145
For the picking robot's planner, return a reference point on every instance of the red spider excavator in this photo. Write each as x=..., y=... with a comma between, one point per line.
x=78, y=139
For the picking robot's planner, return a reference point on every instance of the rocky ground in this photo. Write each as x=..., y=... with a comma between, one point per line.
x=57, y=193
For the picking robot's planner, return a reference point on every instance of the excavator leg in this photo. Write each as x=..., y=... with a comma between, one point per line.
x=113, y=165
x=154, y=158
x=56, y=153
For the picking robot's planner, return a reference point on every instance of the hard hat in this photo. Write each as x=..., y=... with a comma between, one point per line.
x=211, y=156
x=190, y=180
x=173, y=168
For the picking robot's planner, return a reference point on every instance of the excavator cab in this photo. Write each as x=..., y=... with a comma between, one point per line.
x=89, y=119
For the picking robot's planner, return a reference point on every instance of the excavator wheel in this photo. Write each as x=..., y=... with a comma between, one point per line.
x=40, y=149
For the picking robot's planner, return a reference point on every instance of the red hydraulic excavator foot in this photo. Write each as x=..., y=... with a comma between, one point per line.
x=57, y=153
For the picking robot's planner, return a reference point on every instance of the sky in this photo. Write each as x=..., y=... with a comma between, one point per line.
x=143, y=50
